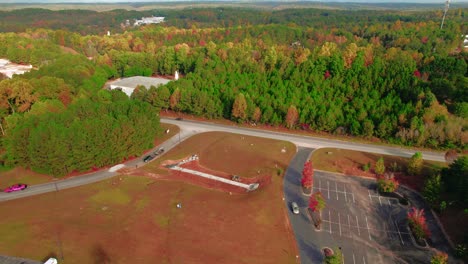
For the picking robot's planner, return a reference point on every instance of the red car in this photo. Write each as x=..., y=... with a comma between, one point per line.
x=16, y=187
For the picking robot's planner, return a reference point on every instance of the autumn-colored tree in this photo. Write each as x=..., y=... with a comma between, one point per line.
x=307, y=175
x=239, y=108
x=417, y=223
x=387, y=184
x=439, y=258
x=174, y=99
x=291, y=116
x=257, y=114
x=450, y=156
x=415, y=164
x=380, y=166
x=316, y=202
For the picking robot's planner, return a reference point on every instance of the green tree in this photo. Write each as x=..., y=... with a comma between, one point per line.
x=380, y=166
x=455, y=179
x=336, y=258
x=415, y=164
x=432, y=189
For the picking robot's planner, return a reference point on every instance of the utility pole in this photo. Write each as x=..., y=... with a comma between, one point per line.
x=447, y=4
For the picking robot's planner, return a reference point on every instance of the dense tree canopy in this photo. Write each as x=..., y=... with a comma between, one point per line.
x=386, y=74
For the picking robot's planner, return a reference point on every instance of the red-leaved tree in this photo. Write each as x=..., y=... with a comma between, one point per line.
x=316, y=202
x=417, y=223
x=307, y=175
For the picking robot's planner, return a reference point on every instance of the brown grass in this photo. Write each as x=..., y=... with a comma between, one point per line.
x=351, y=163
x=134, y=219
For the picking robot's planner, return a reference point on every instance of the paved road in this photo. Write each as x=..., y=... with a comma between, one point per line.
x=189, y=128
x=305, y=141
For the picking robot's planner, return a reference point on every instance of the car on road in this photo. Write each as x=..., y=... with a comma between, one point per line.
x=179, y=119
x=148, y=158
x=16, y=187
x=159, y=151
x=295, y=208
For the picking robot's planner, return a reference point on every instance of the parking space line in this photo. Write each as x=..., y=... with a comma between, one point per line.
x=320, y=184
x=349, y=224
x=345, y=197
x=370, y=197
x=380, y=201
x=329, y=217
x=368, y=230
x=336, y=188
x=339, y=222
x=328, y=188
x=357, y=224
x=363, y=260
x=353, y=197
x=398, y=229
x=389, y=203
x=354, y=260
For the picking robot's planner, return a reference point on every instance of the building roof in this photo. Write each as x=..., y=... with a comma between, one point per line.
x=12, y=260
x=133, y=82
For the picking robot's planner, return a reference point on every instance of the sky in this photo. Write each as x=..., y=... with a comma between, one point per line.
x=133, y=1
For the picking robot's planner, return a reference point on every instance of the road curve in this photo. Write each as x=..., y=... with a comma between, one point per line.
x=190, y=128
x=305, y=141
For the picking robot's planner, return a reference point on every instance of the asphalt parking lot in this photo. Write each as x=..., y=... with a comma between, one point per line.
x=368, y=227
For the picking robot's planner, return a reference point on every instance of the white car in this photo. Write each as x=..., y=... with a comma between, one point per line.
x=295, y=208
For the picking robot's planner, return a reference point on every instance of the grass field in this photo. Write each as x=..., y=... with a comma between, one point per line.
x=134, y=219
x=21, y=175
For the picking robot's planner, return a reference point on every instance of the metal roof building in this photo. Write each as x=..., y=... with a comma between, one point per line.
x=128, y=85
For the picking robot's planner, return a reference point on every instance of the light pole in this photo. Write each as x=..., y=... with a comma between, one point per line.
x=59, y=242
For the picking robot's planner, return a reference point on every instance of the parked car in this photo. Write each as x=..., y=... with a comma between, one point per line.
x=295, y=208
x=16, y=187
x=147, y=158
x=179, y=119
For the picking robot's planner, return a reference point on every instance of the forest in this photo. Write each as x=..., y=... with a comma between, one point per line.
x=389, y=75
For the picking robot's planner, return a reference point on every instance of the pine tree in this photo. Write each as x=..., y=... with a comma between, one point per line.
x=415, y=164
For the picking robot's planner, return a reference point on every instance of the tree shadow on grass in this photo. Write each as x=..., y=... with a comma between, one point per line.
x=99, y=255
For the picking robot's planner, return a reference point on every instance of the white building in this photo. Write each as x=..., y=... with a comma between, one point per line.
x=128, y=85
x=149, y=20
x=9, y=69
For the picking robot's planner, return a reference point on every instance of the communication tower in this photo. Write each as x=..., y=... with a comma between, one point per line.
x=447, y=4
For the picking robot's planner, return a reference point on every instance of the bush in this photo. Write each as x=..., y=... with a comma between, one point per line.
x=380, y=166
x=316, y=202
x=432, y=189
x=366, y=167
x=387, y=184
x=417, y=223
x=336, y=258
x=439, y=258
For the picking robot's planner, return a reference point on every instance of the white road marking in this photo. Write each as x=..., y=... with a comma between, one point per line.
x=336, y=188
x=399, y=233
x=345, y=197
x=380, y=201
x=353, y=198
x=349, y=224
x=354, y=260
x=320, y=184
x=357, y=224
x=389, y=203
x=328, y=185
x=370, y=198
x=339, y=222
x=368, y=231
x=363, y=260
x=329, y=217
